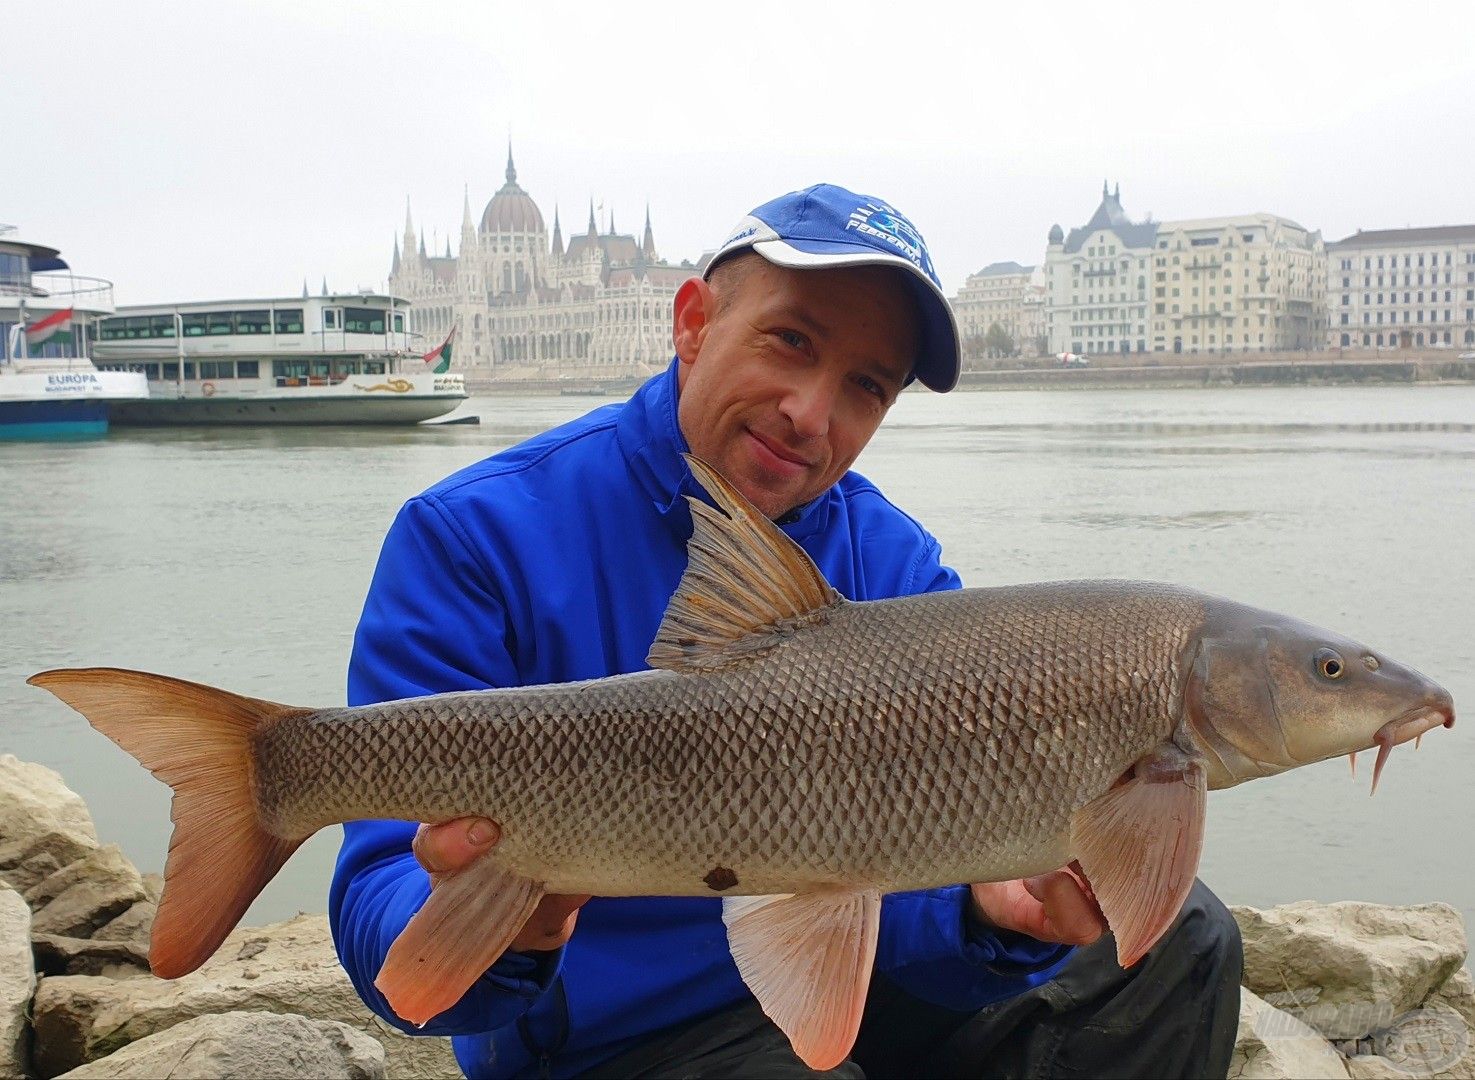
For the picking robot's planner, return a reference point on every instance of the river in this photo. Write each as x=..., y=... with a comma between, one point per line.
x=241, y=557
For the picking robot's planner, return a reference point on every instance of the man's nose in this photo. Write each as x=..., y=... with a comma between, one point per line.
x=808, y=405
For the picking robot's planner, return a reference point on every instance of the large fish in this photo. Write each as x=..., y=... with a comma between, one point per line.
x=795, y=753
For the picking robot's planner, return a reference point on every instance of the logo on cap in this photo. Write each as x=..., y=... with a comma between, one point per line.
x=888, y=226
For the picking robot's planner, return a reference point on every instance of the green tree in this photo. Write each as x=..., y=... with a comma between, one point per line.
x=997, y=341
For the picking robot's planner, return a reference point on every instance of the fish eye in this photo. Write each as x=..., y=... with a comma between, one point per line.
x=1329, y=664
x=1371, y=662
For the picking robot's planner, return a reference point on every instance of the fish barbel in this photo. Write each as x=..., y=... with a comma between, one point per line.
x=795, y=753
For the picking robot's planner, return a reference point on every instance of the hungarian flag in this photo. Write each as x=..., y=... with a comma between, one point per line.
x=42, y=330
x=441, y=357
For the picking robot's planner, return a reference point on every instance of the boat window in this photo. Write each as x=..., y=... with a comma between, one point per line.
x=217, y=369
x=330, y=318
x=318, y=368
x=135, y=328
x=151, y=372
x=15, y=270
x=373, y=367
x=171, y=371
x=218, y=322
x=289, y=320
x=290, y=372
x=399, y=324
x=189, y=369
x=246, y=369
x=161, y=326
x=359, y=320
x=194, y=325
x=252, y=322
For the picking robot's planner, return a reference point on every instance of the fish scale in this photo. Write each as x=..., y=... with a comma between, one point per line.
x=788, y=771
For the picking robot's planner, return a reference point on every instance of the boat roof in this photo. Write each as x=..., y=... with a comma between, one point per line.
x=42, y=257
x=263, y=302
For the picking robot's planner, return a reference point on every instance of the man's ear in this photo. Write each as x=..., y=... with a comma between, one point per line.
x=692, y=314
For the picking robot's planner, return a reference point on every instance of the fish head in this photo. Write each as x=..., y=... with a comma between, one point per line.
x=1268, y=693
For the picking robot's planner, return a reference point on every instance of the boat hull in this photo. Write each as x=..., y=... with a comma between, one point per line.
x=36, y=421
x=324, y=410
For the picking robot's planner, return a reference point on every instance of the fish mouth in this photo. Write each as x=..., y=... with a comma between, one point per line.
x=1410, y=726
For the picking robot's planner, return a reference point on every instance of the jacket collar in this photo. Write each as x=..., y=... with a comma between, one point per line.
x=650, y=438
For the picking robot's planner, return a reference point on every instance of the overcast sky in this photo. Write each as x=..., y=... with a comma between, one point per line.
x=210, y=150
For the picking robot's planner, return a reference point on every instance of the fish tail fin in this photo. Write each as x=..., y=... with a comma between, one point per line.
x=198, y=740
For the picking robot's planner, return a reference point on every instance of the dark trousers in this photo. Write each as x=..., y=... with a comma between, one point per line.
x=1173, y=1015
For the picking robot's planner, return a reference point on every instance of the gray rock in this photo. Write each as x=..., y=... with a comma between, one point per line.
x=134, y=925
x=289, y=967
x=1372, y=1067
x=28, y=859
x=34, y=800
x=153, y=886
x=89, y=893
x=245, y=1046
x=56, y=955
x=1348, y=969
x=17, y=984
x=1273, y=1045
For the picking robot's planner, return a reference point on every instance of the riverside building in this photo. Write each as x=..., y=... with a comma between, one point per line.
x=1402, y=288
x=526, y=304
x=1251, y=283
x=1005, y=294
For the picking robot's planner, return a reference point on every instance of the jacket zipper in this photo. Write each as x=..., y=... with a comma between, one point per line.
x=544, y=1054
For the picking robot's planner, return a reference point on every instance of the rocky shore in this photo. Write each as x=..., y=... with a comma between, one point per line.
x=1346, y=990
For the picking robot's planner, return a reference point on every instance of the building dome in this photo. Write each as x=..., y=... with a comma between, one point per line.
x=1057, y=234
x=511, y=208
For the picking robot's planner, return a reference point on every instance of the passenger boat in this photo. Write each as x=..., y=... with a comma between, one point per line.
x=332, y=359
x=49, y=389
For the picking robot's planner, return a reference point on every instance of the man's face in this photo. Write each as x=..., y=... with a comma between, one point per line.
x=786, y=374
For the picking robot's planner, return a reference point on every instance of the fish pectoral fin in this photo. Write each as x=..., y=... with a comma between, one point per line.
x=1139, y=845
x=807, y=958
x=745, y=581
x=466, y=924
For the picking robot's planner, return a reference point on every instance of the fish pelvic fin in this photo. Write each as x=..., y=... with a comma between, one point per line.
x=746, y=585
x=469, y=920
x=1139, y=845
x=198, y=740
x=807, y=958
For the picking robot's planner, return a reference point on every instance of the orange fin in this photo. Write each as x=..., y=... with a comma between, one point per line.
x=745, y=584
x=807, y=959
x=1139, y=846
x=198, y=740
x=466, y=924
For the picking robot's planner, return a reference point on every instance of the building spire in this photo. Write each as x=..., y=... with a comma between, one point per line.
x=648, y=245
x=557, y=233
x=304, y=288
x=511, y=168
x=1117, y=194
x=393, y=266
x=466, y=224
x=1105, y=189
x=325, y=285
x=593, y=228
x=611, y=220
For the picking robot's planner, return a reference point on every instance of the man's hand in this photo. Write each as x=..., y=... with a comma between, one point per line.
x=1057, y=906
x=454, y=845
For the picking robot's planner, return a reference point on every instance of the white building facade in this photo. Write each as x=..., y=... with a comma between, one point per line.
x=1005, y=294
x=526, y=304
x=1251, y=283
x=1402, y=288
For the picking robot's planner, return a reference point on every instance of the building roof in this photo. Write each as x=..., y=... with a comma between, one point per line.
x=999, y=269
x=1438, y=234
x=615, y=249
x=1110, y=215
x=511, y=208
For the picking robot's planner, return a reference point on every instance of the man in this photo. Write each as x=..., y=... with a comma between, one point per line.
x=554, y=561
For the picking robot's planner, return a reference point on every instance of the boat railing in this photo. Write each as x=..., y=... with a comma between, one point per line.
x=61, y=288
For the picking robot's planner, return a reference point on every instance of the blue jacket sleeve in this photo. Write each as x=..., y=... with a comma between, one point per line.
x=432, y=623
x=930, y=944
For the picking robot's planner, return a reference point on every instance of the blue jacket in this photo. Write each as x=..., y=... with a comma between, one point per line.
x=554, y=561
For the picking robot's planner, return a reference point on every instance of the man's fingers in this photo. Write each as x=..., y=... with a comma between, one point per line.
x=1074, y=916
x=550, y=925
x=454, y=845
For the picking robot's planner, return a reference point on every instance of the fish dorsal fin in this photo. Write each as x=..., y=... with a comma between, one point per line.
x=746, y=585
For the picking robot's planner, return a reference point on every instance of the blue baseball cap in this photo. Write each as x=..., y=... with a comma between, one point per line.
x=827, y=226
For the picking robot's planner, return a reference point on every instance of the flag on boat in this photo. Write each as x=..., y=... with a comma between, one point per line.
x=58, y=322
x=441, y=357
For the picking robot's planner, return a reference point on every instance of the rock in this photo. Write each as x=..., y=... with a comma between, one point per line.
x=247, y=1046
x=28, y=859
x=1348, y=969
x=1372, y=1067
x=17, y=984
x=134, y=925
x=1273, y=1045
x=89, y=893
x=1458, y=996
x=57, y=955
x=153, y=886
x=289, y=967
x=34, y=800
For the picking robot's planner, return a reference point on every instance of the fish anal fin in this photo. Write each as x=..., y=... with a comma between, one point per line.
x=466, y=924
x=198, y=740
x=807, y=958
x=745, y=584
x=1139, y=845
